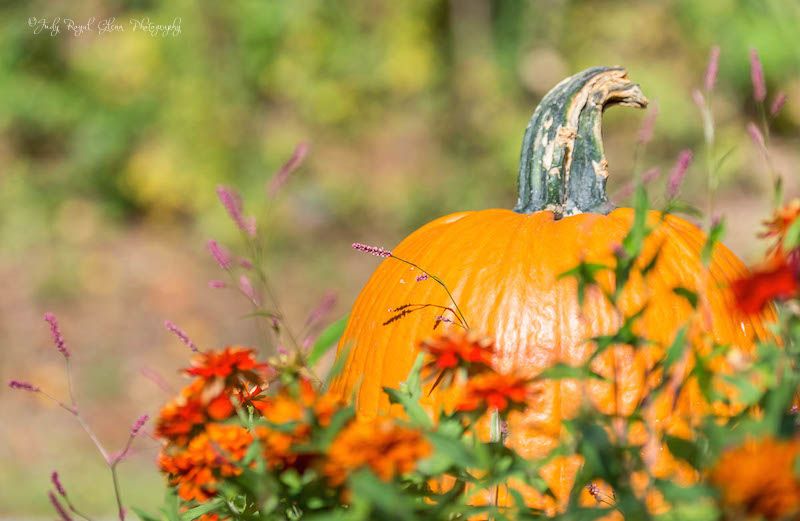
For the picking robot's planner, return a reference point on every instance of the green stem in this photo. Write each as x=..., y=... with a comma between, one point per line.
x=563, y=167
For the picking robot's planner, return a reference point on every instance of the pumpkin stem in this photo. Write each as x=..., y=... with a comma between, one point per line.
x=563, y=167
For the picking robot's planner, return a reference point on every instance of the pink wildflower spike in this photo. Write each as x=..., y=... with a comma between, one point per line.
x=245, y=263
x=713, y=68
x=756, y=136
x=678, y=173
x=216, y=284
x=233, y=205
x=326, y=304
x=57, y=484
x=155, y=377
x=60, y=510
x=137, y=426
x=777, y=104
x=442, y=319
x=422, y=277
x=648, y=125
x=58, y=338
x=699, y=99
x=181, y=334
x=23, y=386
x=757, y=77
x=372, y=250
x=294, y=162
x=220, y=255
x=247, y=288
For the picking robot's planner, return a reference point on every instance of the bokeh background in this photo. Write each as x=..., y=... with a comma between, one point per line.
x=111, y=146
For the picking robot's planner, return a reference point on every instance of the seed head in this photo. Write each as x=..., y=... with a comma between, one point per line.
x=372, y=250
x=58, y=338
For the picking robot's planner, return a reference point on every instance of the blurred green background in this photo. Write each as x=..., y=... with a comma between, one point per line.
x=111, y=146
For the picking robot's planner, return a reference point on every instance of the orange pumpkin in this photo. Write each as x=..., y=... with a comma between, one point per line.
x=503, y=268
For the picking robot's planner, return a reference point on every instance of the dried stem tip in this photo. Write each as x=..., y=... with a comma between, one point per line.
x=181, y=334
x=58, y=338
x=233, y=205
x=220, y=255
x=757, y=77
x=372, y=250
x=23, y=386
x=139, y=424
x=60, y=510
x=679, y=172
x=57, y=484
x=713, y=68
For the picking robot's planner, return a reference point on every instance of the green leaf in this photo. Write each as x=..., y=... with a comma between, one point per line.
x=749, y=394
x=144, y=516
x=792, y=239
x=561, y=370
x=389, y=500
x=205, y=508
x=714, y=236
x=688, y=294
x=634, y=240
x=684, y=449
x=327, y=339
x=676, y=348
x=338, y=365
x=171, y=506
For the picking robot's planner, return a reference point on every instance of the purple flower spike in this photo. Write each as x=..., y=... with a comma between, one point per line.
x=247, y=288
x=220, y=255
x=233, y=205
x=57, y=484
x=139, y=424
x=777, y=104
x=757, y=77
x=181, y=334
x=755, y=135
x=324, y=307
x=216, y=284
x=372, y=250
x=699, y=99
x=678, y=173
x=58, y=338
x=60, y=510
x=294, y=162
x=23, y=386
x=422, y=277
x=713, y=69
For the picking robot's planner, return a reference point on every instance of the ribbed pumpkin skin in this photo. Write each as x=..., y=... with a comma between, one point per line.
x=502, y=268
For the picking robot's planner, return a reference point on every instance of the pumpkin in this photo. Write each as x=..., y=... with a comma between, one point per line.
x=503, y=269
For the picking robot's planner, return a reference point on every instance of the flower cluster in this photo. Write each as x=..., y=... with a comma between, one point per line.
x=485, y=388
x=293, y=429
x=779, y=277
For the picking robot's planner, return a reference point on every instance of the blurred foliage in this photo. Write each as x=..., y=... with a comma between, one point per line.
x=402, y=101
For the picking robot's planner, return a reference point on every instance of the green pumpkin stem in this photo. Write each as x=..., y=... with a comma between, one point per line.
x=562, y=167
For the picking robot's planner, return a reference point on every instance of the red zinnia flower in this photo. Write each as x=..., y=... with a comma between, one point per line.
x=755, y=291
x=458, y=350
x=223, y=364
x=495, y=391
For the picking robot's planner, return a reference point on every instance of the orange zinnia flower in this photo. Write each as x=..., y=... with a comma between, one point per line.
x=758, y=477
x=495, y=391
x=388, y=449
x=291, y=414
x=183, y=416
x=780, y=223
x=210, y=456
x=755, y=291
x=457, y=349
x=231, y=361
